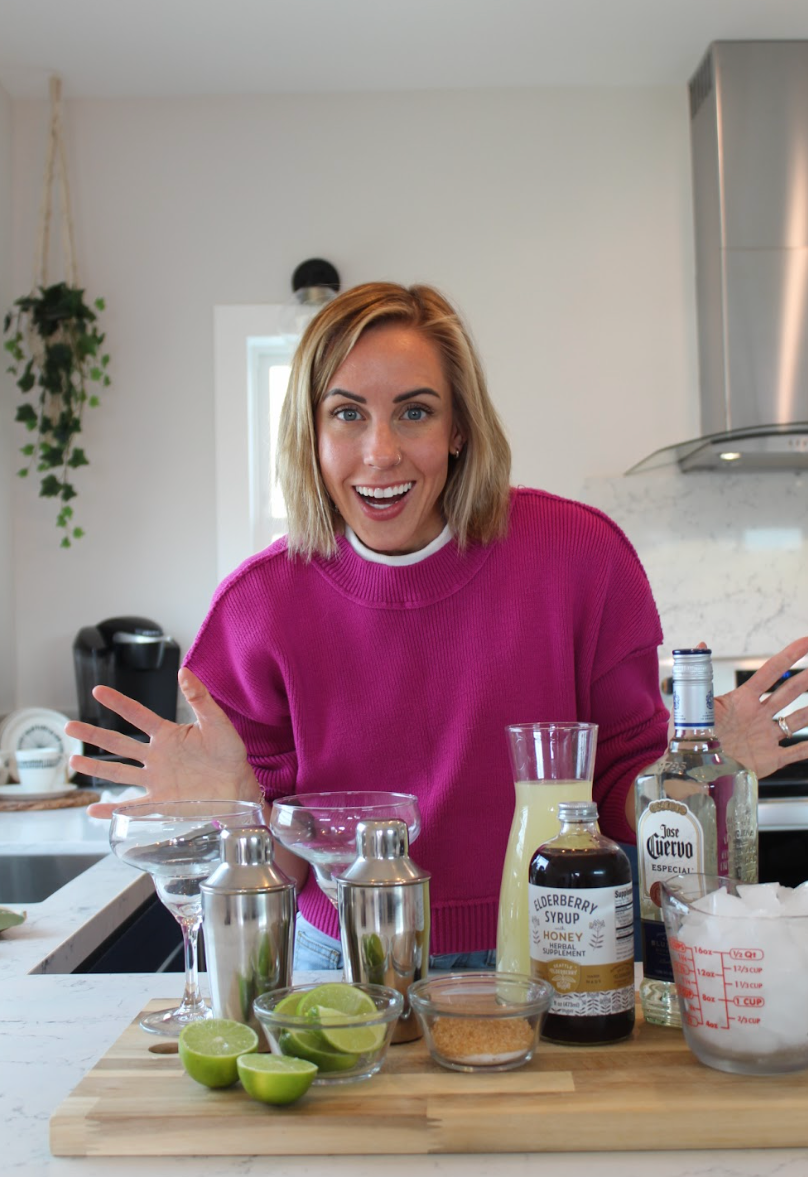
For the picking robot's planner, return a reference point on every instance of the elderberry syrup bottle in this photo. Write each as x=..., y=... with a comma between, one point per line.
x=582, y=930
x=696, y=814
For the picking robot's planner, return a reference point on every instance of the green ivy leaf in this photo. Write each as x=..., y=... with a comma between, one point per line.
x=100, y=305
x=104, y=361
x=28, y=450
x=106, y=382
x=50, y=487
x=78, y=458
x=23, y=473
x=26, y=414
x=65, y=543
x=68, y=492
x=78, y=532
x=95, y=373
x=94, y=402
x=27, y=381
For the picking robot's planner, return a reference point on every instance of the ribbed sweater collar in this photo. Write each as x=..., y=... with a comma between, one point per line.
x=413, y=587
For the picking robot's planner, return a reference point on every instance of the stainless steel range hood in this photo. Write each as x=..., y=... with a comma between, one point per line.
x=749, y=142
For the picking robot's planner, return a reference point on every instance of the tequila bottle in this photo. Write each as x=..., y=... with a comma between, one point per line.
x=696, y=813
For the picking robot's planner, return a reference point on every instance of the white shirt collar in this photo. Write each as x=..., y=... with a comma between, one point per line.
x=398, y=561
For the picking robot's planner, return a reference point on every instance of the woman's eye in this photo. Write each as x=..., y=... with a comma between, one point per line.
x=347, y=414
x=414, y=413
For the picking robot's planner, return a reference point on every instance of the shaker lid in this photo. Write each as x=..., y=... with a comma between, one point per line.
x=382, y=856
x=247, y=863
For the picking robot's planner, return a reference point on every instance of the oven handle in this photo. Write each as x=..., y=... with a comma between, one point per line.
x=782, y=813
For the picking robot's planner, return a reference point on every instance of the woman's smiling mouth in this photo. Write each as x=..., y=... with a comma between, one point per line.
x=382, y=497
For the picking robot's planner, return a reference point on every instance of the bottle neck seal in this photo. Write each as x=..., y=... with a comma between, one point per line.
x=693, y=703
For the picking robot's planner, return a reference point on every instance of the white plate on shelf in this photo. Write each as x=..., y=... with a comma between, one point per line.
x=37, y=727
x=15, y=793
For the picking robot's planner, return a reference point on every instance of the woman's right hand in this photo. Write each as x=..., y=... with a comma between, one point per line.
x=202, y=759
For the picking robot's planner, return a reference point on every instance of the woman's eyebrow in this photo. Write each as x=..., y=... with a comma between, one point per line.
x=360, y=400
x=402, y=396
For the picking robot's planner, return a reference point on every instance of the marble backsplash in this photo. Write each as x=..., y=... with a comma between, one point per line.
x=726, y=554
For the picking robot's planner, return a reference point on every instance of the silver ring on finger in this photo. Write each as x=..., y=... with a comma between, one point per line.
x=782, y=723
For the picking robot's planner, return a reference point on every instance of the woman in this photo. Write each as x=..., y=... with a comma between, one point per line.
x=417, y=606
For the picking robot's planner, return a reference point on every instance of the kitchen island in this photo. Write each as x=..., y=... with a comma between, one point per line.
x=56, y=1025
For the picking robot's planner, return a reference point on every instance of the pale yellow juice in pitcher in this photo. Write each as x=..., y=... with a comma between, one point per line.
x=535, y=821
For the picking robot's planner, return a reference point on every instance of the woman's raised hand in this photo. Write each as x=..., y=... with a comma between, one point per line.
x=204, y=759
x=745, y=723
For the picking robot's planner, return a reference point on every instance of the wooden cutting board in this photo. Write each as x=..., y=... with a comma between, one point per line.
x=647, y=1093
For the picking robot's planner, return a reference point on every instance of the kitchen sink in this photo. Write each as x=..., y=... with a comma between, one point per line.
x=31, y=878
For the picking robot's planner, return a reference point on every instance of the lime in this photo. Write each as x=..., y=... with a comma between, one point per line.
x=210, y=1050
x=311, y=1045
x=353, y=1040
x=340, y=997
x=274, y=1079
x=288, y=1004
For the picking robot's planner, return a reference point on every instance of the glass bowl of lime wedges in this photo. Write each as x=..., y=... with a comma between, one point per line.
x=344, y=1028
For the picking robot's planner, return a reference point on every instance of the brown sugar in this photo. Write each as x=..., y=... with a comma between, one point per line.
x=461, y=1039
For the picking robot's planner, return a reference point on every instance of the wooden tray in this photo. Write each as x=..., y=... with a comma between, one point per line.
x=647, y=1093
x=69, y=801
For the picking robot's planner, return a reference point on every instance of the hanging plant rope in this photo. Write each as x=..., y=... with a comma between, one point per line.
x=56, y=348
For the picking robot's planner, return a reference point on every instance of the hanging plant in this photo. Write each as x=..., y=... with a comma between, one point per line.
x=56, y=348
x=57, y=354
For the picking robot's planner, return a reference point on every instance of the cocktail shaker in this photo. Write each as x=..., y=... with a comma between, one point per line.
x=383, y=900
x=248, y=908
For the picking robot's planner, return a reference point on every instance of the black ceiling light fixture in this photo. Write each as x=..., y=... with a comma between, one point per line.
x=314, y=283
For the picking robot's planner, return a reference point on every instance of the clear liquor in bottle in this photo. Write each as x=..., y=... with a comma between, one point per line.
x=696, y=813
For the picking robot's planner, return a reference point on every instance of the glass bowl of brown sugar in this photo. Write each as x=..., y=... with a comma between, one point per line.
x=481, y=1021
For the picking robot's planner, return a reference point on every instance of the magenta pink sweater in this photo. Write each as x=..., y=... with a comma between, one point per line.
x=345, y=674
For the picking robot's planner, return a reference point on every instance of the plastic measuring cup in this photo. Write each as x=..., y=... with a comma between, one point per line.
x=740, y=961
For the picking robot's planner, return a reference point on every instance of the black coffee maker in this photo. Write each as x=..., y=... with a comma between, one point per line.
x=133, y=655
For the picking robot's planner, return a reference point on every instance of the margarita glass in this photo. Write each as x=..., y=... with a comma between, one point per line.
x=321, y=827
x=177, y=843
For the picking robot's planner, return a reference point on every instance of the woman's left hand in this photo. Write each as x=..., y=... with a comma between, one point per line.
x=745, y=723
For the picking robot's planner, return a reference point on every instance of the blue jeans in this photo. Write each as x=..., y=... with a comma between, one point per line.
x=314, y=951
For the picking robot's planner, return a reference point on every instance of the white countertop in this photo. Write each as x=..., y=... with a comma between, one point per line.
x=55, y=1026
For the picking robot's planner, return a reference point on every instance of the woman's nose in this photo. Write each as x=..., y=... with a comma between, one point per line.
x=382, y=450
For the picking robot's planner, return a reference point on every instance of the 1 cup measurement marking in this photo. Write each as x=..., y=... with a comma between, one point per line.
x=719, y=987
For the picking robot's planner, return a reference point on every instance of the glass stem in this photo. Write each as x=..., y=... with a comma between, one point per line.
x=192, y=998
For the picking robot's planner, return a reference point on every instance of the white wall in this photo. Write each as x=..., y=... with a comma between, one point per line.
x=7, y=452
x=559, y=221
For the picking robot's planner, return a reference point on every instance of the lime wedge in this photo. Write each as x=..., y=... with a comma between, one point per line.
x=353, y=1040
x=274, y=1079
x=10, y=919
x=311, y=1045
x=288, y=1004
x=338, y=996
x=210, y=1049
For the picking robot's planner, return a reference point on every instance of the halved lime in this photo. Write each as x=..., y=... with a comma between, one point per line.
x=340, y=996
x=311, y=1045
x=209, y=1050
x=274, y=1079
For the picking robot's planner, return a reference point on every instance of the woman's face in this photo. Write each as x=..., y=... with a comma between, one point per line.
x=384, y=432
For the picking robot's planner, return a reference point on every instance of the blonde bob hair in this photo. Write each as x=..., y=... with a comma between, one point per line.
x=475, y=499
